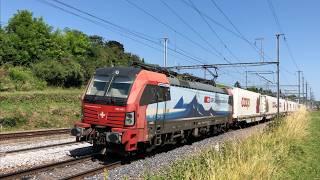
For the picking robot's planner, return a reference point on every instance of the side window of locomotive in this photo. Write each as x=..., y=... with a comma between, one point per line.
x=163, y=94
x=230, y=100
x=153, y=94
x=149, y=95
x=167, y=94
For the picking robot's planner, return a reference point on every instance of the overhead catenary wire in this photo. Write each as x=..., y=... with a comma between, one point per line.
x=215, y=52
x=276, y=19
x=191, y=27
x=214, y=32
x=274, y=14
x=140, y=36
x=240, y=35
x=170, y=27
x=118, y=29
x=187, y=24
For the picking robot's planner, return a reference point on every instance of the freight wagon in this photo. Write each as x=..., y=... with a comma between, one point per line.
x=246, y=105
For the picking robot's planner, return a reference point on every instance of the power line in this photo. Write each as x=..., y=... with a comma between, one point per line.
x=188, y=25
x=140, y=35
x=237, y=34
x=214, y=32
x=170, y=27
x=274, y=15
x=118, y=28
x=207, y=66
x=290, y=53
x=218, y=54
x=281, y=31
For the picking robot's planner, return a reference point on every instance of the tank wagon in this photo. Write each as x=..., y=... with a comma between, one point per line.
x=130, y=109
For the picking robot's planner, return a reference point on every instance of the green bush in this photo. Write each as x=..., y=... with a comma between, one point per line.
x=10, y=122
x=67, y=73
x=19, y=79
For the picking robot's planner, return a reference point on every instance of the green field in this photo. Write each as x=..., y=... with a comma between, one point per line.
x=287, y=150
x=304, y=162
x=51, y=108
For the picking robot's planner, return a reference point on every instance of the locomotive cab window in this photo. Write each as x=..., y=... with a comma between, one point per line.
x=153, y=94
x=107, y=86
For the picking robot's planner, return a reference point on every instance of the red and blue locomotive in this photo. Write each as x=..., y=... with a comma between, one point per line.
x=130, y=109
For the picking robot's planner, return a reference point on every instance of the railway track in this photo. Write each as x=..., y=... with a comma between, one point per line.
x=94, y=171
x=21, y=174
x=30, y=134
x=38, y=147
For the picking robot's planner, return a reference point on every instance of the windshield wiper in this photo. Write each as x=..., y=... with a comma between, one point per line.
x=109, y=85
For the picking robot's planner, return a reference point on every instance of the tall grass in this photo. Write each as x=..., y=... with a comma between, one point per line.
x=261, y=156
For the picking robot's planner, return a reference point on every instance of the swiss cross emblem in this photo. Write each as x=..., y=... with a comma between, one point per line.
x=208, y=99
x=102, y=115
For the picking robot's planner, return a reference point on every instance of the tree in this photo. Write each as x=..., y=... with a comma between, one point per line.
x=30, y=38
x=62, y=58
x=237, y=84
x=77, y=42
x=115, y=45
x=8, y=53
x=67, y=73
x=96, y=40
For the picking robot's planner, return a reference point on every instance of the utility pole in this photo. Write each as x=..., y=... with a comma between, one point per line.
x=299, y=86
x=310, y=99
x=165, y=47
x=307, y=94
x=278, y=74
x=303, y=90
x=246, y=79
x=0, y=16
x=261, y=48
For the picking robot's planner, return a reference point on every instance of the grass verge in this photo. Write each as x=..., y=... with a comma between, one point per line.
x=51, y=108
x=304, y=162
x=266, y=155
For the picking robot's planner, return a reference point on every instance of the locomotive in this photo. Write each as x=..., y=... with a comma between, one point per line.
x=130, y=109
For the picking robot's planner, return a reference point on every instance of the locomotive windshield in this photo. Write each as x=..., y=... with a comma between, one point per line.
x=112, y=86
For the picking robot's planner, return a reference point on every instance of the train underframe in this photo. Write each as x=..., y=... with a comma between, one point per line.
x=105, y=140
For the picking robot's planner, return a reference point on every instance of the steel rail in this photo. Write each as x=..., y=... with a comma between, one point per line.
x=94, y=171
x=30, y=134
x=38, y=147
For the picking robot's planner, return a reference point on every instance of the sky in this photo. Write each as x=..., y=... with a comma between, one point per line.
x=195, y=36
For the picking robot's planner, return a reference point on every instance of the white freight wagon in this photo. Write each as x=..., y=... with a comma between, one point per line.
x=271, y=106
x=246, y=105
x=282, y=106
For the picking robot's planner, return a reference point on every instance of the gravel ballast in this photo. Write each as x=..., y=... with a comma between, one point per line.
x=136, y=169
x=30, y=143
x=17, y=161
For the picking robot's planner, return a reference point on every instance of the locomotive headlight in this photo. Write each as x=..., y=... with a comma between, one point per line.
x=129, y=121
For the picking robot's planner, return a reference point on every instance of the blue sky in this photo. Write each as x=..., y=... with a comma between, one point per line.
x=299, y=21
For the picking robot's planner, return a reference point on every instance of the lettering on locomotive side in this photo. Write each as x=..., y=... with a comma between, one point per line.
x=245, y=102
x=119, y=109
